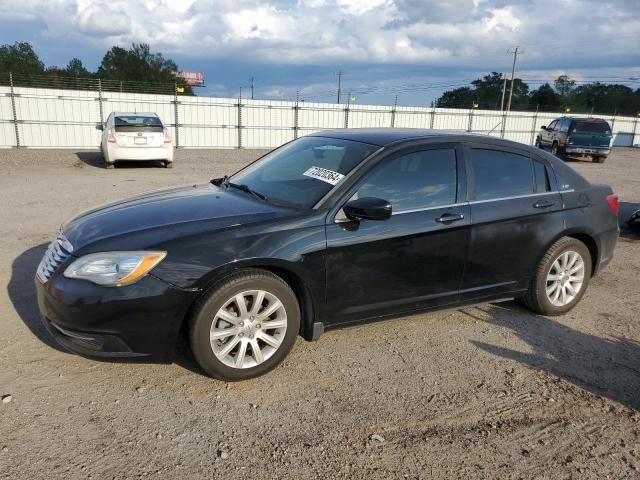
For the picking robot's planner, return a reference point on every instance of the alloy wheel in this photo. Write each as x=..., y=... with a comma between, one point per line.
x=565, y=278
x=248, y=329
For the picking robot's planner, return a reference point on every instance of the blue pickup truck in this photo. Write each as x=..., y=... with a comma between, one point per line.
x=581, y=137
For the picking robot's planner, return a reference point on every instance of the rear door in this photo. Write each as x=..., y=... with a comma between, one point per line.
x=138, y=131
x=413, y=260
x=515, y=211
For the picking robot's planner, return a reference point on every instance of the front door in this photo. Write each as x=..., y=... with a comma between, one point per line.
x=413, y=260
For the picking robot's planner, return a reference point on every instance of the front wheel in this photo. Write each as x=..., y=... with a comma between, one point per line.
x=560, y=279
x=538, y=143
x=245, y=325
x=598, y=159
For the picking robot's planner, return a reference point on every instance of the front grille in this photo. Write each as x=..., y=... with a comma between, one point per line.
x=59, y=249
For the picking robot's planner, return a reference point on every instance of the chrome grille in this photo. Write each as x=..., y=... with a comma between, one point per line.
x=59, y=249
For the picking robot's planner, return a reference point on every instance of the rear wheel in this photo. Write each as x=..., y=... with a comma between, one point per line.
x=598, y=159
x=168, y=164
x=245, y=325
x=561, y=278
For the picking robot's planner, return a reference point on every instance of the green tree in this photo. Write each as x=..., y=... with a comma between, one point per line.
x=564, y=85
x=462, y=97
x=75, y=68
x=20, y=59
x=138, y=64
x=545, y=99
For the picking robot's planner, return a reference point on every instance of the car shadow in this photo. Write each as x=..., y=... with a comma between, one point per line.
x=22, y=294
x=609, y=367
x=626, y=209
x=94, y=159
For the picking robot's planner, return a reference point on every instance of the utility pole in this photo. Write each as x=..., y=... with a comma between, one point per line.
x=504, y=89
x=340, y=73
x=513, y=72
x=251, y=80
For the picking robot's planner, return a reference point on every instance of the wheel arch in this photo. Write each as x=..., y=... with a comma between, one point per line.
x=285, y=270
x=583, y=236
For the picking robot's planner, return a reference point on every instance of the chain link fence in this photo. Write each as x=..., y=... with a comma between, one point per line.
x=32, y=114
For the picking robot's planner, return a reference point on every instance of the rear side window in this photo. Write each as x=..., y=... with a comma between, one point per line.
x=416, y=180
x=501, y=174
x=542, y=177
x=586, y=126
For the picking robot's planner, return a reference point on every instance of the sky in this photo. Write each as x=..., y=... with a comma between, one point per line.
x=414, y=49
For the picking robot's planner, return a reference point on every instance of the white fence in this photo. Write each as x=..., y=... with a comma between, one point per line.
x=49, y=118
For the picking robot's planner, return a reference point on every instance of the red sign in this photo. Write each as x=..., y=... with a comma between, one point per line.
x=190, y=77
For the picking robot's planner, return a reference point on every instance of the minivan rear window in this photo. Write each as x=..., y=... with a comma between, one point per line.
x=137, y=123
x=586, y=126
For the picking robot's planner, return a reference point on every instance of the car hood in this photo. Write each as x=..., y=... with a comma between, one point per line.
x=176, y=211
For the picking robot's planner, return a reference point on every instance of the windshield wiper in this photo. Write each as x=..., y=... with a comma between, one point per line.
x=224, y=181
x=246, y=188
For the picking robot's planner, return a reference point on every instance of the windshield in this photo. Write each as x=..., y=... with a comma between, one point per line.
x=601, y=128
x=300, y=173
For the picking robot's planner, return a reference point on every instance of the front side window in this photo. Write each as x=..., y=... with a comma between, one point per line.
x=300, y=173
x=500, y=174
x=417, y=180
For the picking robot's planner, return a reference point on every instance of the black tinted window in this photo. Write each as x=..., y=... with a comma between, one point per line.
x=416, y=180
x=586, y=126
x=501, y=174
x=542, y=179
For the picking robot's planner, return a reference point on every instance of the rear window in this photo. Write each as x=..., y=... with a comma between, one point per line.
x=138, y=123
x=591, y=127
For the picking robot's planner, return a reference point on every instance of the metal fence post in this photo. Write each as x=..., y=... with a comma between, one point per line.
x=393, y=113
x=533, y=126
x=346, y=112
x=432, y=121
x=470, y=125
x=633, y=135
x=504, y=124
x=13, y=110
x=296, y=107
x=240, y=119
x=100, y=101
x=175, y=113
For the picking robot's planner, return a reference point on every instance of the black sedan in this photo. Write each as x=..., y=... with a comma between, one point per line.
x=331, y=229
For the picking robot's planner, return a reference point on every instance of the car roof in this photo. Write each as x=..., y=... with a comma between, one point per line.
x=387, y=136
x=135, y=114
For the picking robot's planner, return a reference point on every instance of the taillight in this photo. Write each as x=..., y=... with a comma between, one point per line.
x=167, y=136
x=612, y=200
x=110, y=137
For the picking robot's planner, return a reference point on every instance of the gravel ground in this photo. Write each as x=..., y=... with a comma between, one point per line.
x=484, y=392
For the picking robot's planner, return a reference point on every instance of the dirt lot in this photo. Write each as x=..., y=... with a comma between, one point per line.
x=486, y=392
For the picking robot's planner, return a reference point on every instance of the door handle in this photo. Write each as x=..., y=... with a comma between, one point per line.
x=543, y=204
x=448, y=218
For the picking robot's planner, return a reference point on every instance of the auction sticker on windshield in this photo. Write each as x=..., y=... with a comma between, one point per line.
x=325, y=175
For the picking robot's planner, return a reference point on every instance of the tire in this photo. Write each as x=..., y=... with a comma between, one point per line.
x=168, y=164
x=538, y=143
x=109, y=165
x=218, y=300
x=537, y=298
x=598, y=159
x=554, y=149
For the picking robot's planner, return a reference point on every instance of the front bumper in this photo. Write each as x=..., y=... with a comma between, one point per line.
x=138, y=320
x=587, y=150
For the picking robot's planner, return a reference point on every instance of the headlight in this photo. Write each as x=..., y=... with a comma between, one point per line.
x=114, y=269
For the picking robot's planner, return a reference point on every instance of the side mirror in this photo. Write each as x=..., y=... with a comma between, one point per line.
x=99, y=126
x=368, y=208
x=543, y=127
